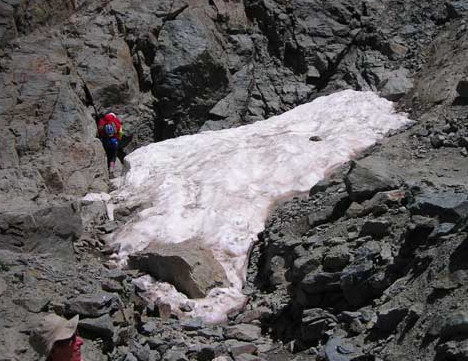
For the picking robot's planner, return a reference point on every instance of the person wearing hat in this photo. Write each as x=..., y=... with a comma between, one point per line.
x=57, y=339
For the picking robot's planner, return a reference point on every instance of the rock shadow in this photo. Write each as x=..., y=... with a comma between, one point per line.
x=460, y=101
x=459, y=258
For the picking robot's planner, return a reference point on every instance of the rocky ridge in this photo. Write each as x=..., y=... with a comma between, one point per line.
x=369, y=266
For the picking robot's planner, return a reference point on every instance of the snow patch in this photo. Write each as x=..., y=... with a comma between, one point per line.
x=217, y=186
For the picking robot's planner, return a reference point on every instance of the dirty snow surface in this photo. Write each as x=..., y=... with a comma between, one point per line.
x=217, y=186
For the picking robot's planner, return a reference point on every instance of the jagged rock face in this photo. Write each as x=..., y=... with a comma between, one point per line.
x=403, y=274
x=369, y=275
x=49, y=138
x=22, y=17
x=171, y=67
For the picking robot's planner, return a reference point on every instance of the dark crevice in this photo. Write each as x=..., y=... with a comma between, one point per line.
x=245, y=108
x=293, y=56
x=174, y=14
x=326, y=76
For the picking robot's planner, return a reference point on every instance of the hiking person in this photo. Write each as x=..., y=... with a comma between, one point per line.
x=57, y=339
x=110, y=132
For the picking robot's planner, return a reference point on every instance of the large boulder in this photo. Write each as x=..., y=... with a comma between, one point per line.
x=189, y=72
x=93, y=305
x=49, y=229
x=367, y=177
x=447, y=205
x=191, y=269
x=396, y=84
x=243, y=332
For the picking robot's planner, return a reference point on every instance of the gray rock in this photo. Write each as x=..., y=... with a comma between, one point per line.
x=456, y=9
x=93, y=305
x=243, y=332
x=111, y=286
x=462, y=88
x=186, y=45
x=190, y=268
x=100, y=327
x=388, y=317
x=34, y=305
x=322, y=186
x=368, y=251
x=338, y=349
x=277, y=270
x=156, y=343
x=312, y=74
x=455, y=324
x=357, y=327
x=123, y=335
x=349, y=316
x=377, y=228
x=148, y=328
x=175, y=355
x=192, y=324
x=420, y=228
x=355, y=210
x=306, y=264
x=315, y=322
x=442, y=229
x=239, y=347
x=247, y=357
x=452, y=350
x=336, y=258
x=449, y=206
x=367, y=177
x=3, y=286
x=22, y=18
x=142, y=353
x=108, y=227
x=63, y=128
x=353, y=282
x=212, y=332
x=381, y=200
x=334, y=241
x=320, y=282
x=49, y=229
x=206, y=353
x=437, y=140
x=320, y=217
x=130, y=357
x=154, y=356
x=396, y=84
x=258, y=313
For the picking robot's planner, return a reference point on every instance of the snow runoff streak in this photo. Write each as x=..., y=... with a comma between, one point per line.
x=217, y=186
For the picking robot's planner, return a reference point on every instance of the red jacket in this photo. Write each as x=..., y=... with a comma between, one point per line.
x=110, y=118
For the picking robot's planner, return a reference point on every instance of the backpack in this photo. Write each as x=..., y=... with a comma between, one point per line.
x=109, y=129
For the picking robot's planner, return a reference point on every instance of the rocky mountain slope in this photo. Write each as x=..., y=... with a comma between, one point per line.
x=370, y=266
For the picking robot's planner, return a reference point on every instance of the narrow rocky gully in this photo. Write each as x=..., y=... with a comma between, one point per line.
x=370, y=264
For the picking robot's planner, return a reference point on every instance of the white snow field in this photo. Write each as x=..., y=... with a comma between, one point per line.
x=217, y=186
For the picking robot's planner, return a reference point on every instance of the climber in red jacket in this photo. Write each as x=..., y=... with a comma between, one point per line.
x=110, y=132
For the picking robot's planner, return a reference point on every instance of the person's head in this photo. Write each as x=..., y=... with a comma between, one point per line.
x=110, y=117
x=57, y=339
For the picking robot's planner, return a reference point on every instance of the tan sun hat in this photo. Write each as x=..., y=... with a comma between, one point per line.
x=51, y=329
